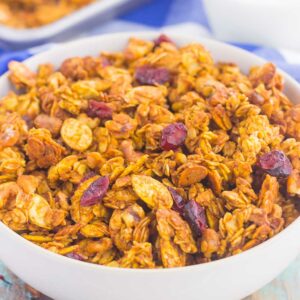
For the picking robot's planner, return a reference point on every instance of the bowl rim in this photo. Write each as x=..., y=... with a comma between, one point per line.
x=5, y=230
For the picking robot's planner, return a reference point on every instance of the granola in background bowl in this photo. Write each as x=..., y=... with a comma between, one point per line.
x=36, y=13
x=153, y=157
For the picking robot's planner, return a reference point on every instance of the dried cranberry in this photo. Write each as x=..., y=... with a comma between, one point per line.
x=194, y=214
x=95, y=192
x=29, y=121
x=151, y=75
x=2, y=278
x=162, y=39
x=173, y=136
x=258, y=178
x=105, y=62
x=275, y=163
x=74, y=255
x=88, y=176
x=99, y=109
x=178, y=202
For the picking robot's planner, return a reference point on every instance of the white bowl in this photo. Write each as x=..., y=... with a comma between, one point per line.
x=263, y=22
x=77, y=22
x=230, y=278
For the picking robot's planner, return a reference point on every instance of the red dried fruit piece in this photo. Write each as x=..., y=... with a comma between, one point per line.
x=194, y=214
x=173, y=136
x=162, y=39
x=28, y=120
x=95, y=192
x=258, y=178
x=74, y=255
x=2, y=278
x=275, y=163
x=149, y=75
x=87, y=176
x=178, y=202
x=99, y=109
x=105, y=62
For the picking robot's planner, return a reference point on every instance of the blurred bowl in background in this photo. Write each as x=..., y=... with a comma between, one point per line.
x=272, y=23
x=75, y=23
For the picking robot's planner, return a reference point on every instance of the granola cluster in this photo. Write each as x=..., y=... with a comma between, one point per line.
x=35, y=13
x=154, y=157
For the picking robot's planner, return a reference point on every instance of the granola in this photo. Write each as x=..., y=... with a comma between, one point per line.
x=154, y=157
x=35, y=13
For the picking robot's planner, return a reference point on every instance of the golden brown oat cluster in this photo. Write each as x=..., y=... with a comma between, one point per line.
x=154, y=157
x=35, y=13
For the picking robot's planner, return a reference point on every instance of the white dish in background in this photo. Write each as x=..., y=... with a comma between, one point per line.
x=66, y=27
x=231, y=278
x=272, y=23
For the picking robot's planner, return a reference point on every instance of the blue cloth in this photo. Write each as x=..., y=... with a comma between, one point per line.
x=160, y=13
